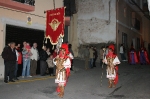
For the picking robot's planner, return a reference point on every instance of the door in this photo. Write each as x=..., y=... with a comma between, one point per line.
x=19, y=34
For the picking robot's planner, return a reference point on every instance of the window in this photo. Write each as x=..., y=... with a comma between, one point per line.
x=135, y=22
x=124, y=39
x=138, y=43
x=30, y=2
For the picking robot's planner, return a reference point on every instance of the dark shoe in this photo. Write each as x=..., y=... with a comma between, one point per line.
x=6, y=81
x=12, y=81
x=16, y=79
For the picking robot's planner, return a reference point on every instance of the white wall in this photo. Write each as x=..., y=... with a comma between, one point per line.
x=93, y=19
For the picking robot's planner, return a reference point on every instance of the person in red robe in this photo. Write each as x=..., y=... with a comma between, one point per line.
x=132, y=56
x=143, y=56
x=111, y=60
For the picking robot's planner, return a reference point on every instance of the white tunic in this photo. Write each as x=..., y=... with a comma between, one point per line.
x=66, y=64
x=111, y=75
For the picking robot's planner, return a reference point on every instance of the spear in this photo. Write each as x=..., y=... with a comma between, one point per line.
x=102, y=68
x=102, y=75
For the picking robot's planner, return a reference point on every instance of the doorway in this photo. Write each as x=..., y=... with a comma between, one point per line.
x=124, y=40
x=19, y=34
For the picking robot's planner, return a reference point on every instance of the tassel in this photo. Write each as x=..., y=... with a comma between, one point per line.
x=53, y=47
x=43, y=47
x=46, y=41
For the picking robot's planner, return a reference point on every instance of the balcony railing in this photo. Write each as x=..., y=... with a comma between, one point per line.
x=29, y=2
x=27, y=5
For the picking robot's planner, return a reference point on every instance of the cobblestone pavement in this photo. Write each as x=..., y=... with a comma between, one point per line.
x=134, y=83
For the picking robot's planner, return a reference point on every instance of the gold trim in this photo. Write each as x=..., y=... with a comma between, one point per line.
x=54, y=24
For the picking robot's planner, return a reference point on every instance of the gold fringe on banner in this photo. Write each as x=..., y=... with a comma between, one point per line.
x=46, y=41
x=53, y=47
x=62, y=40
x=43, y=46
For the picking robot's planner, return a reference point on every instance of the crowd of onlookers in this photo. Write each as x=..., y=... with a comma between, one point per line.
x=90, y=53
x=28, y=56
x=130, y=55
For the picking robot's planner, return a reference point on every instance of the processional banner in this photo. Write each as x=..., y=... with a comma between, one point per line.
x=55, y=24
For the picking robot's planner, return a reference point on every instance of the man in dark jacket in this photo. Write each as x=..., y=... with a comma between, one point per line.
x=43, y=64
x=70, y=50
x=9, y=56
x=95, y=57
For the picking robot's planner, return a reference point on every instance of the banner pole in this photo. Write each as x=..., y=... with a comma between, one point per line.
x=54, y=4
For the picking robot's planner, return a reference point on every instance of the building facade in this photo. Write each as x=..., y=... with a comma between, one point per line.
x=17, y=14
x=132, y=23
x=99, y=22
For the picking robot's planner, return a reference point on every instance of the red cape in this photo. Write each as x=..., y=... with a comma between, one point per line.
x=146, y=56
x=135, y=57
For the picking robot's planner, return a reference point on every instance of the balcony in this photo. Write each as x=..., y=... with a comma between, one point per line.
x=14, y=4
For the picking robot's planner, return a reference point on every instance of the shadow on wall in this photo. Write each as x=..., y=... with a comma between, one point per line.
x=98, y=46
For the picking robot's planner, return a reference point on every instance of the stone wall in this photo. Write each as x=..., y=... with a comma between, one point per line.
x=96, y=21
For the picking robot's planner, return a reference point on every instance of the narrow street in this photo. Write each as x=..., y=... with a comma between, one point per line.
x=84, y=84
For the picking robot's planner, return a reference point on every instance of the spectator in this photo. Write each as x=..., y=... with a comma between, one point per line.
x=20, y=54
x=50, y=65
x=91, y=56
x=122, y=52
x=43, y=64
x=16, y=68
x=101, y=55
x=86, y=56
x=72, y=55
x=9, y=56
x=26, y=60
x=48, y=52
x=55, y=53
x=34, y=59
x=24, y=44
x=95, y=56
x=4, y=49
x=106, y=51
x=54, y=56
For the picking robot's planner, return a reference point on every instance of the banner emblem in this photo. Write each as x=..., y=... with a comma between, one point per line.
x=54, y=24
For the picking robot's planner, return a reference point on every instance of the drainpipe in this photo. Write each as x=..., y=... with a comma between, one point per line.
x=117, y=45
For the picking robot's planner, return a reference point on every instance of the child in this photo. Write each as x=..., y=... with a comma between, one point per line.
x=28, y=48
x=50, y=65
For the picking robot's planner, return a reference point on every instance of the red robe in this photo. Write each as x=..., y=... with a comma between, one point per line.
x=146, y=56
x=135, y=56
